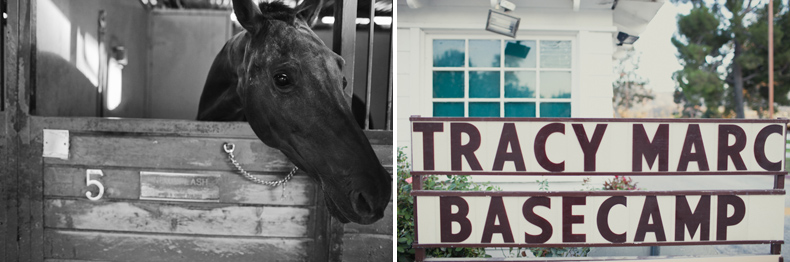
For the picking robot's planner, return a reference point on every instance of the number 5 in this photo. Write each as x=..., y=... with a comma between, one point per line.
x=89, y=181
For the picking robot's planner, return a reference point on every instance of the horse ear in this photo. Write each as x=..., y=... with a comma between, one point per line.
x=247, y=13
x=309, y=10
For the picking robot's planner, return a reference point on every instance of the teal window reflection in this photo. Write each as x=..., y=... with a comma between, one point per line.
x=520, y=53
x=448, y=84
x=555, y=109
x=483, y=84
x=555, y=54
x=448, y=53
x=484, y=53
x=449, y=109
x=520, y=84
x=555, y=84
x=484, y=109
x=520, y=109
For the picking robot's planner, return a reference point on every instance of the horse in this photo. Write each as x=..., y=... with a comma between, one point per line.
x=280, y=77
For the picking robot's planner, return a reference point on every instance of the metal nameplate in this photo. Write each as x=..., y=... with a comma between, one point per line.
x=179, y=186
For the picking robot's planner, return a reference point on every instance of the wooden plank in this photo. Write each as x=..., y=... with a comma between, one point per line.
x=155, y=217
x=129, y=247
x=169, y=127
x=170, y=152
x=9, y=250
x=122, y=183
x=381, y=227
x=365, y=247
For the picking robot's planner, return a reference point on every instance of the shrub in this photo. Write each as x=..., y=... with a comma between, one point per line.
x=405, y=203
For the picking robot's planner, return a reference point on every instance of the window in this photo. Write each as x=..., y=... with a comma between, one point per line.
x=501, y=78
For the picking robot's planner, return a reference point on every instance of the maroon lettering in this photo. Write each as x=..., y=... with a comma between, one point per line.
x=643, y=147
x=693, y=139
x=457, y=150
x=759, y=148
x=447, y=217
x=568, y=219
x=734, y=151
x=603, y=219
x=723, y=221
x=684, y=218
x=589, y=147
x=528, y=210
x=650, y=209
x=540, y=147
x=496, y=209
x=509, y=137
x=427, y=130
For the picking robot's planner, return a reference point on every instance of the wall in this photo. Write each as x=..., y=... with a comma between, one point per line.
x=184, y=44
x=68, y=57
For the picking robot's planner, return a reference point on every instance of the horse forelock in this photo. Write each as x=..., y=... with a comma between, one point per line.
x=278, y=11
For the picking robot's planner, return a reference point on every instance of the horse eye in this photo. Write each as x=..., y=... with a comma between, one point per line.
x=281, y=80
x=345, y=83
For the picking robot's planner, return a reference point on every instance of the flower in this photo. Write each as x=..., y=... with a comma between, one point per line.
x=408, y=180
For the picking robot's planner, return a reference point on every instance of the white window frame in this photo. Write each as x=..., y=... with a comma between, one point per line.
x=426, y=93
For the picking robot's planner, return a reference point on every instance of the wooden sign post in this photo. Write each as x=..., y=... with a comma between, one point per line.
x=541, y=146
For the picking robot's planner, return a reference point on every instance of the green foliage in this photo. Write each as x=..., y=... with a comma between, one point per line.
x=737, y=30
x=405, y=203
x=755, y=59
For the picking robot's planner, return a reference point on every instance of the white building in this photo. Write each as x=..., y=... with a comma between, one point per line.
x=558, y=65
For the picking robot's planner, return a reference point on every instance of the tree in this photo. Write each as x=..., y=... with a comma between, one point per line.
x=629, y=87
x=755, y=59
x=723, y=50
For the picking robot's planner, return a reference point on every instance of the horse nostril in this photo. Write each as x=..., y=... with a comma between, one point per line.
x=362, y=204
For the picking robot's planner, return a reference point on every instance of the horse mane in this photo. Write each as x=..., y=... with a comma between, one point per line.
x=278, y=11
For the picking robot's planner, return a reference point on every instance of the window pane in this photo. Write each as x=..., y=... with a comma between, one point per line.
x=555, y=54
x=448, y=109
x=555, y=109
x=448, y=53
x=448, y=84
x=520, y=84
x=520, y=54
x=484, y=53
x=484, y=109
x=555, y=84
x=520, y=109
x=483, y=84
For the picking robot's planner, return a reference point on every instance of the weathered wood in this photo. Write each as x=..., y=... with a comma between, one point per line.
x=169, y=127
x=382, y=227
x=130, y=247
x=9, y=239
x=366, y=247
x=169, y=152
x=119, y=183
x=203, y=219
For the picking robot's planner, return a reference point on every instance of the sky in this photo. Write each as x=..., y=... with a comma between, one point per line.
x=658, y=60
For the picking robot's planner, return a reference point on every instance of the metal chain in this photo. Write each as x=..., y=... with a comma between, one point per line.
x=229, y=147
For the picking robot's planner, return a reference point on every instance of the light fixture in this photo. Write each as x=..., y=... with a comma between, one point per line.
x=626, y=39
x=502, y=24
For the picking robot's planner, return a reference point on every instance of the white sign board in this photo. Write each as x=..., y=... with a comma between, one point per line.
x=603, y=217
x=597, y=146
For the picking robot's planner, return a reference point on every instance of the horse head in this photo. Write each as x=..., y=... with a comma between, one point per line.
x=289, y=86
